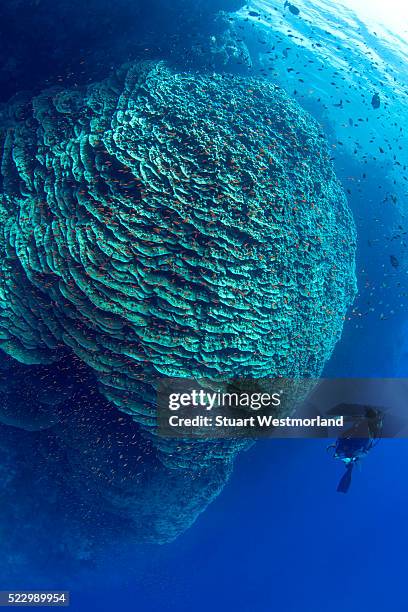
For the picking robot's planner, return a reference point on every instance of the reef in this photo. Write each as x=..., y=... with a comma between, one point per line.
x=87, y=483
x=168, y=224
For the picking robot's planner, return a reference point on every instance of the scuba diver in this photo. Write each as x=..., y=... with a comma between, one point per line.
x=358, y=440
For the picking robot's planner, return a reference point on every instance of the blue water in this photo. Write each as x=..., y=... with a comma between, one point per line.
x=279, y=536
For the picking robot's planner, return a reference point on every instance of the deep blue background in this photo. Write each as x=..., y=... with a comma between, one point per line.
x=278, y=538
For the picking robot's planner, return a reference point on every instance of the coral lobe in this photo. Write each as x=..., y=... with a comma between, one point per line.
x=171, y=224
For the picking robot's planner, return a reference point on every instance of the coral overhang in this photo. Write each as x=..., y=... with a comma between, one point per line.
x=171, y=224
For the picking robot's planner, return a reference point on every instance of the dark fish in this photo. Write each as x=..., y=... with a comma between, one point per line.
x=254, y=14
x=394, y=261
x=375, y=101
x=293, y=9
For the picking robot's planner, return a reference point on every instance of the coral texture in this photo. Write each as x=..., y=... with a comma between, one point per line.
x=171, y=224
x=106, y=484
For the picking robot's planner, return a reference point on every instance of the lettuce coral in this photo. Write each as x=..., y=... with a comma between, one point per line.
x=171, y=224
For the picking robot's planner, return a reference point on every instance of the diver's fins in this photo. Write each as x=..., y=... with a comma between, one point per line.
x=345, y=480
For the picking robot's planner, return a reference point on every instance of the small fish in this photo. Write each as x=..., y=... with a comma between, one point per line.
x=375, y=101
x=293, y=9
x=254, y=14
x=394, y=261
